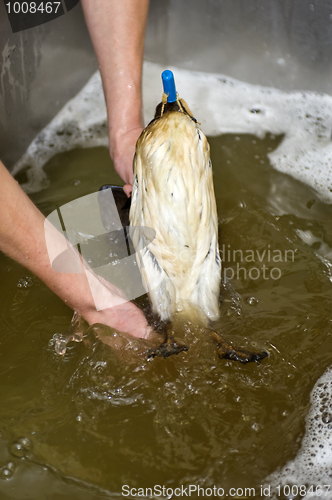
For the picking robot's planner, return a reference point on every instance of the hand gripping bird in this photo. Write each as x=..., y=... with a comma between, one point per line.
x=173, y=194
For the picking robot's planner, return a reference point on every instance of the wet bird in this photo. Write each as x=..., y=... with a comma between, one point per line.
x=173, y=195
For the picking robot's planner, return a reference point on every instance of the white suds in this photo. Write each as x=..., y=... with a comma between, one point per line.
x=222, y=105
x=313, y=463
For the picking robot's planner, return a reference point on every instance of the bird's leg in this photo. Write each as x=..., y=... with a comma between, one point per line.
x=228, y=351
x=169, y=347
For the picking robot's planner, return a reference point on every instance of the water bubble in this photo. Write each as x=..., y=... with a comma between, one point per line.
x=254, y=111
x=252, y=301
x=21, y=447
x=25, y=282
x=326, y=418
x=7, y=471
x=60, y=341
x=60, y=344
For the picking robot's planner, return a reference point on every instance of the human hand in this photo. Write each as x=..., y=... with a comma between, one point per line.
x=122, y=149
x=115, y=311
x=77, y=284
x=125, y=318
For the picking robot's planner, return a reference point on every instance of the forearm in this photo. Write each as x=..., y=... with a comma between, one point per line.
x=22, y=238
x=117, y=30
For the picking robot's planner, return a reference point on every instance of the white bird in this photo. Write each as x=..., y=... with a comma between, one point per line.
x=173, y=195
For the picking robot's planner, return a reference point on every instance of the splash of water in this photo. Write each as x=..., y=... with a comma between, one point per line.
x=73, y=334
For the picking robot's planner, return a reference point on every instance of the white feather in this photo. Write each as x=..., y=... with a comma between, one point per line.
x=173, y=194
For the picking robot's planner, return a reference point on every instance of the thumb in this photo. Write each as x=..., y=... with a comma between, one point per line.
x=128, y=189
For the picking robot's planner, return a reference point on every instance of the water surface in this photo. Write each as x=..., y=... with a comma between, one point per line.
x=98, y=418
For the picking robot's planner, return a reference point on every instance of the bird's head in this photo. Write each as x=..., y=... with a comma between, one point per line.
x=170, y=99
x=178, y=105
x=172, y=137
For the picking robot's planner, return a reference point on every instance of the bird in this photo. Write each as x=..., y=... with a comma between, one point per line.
x=174, y=223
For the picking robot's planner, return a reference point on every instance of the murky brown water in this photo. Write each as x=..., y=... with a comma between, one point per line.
x=97, y=419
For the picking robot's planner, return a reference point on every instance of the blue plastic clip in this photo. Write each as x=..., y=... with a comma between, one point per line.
x=169, y=85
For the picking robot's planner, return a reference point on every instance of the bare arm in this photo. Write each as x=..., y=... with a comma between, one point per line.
x=22, y=237
x=117, y=29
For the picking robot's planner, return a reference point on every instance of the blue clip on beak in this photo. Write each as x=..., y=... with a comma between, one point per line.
x=169, y=85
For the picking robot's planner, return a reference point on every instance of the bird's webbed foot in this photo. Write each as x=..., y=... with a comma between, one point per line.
x=226, y=350
x=169, y=347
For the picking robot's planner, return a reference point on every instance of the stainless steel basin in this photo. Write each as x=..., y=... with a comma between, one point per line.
x=271, y=42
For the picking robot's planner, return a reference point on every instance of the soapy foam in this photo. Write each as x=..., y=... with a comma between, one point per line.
x=82, y=122
x=224, y=105
x=313, y=463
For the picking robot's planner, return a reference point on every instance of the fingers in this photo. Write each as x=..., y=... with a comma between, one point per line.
x=128, y=189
